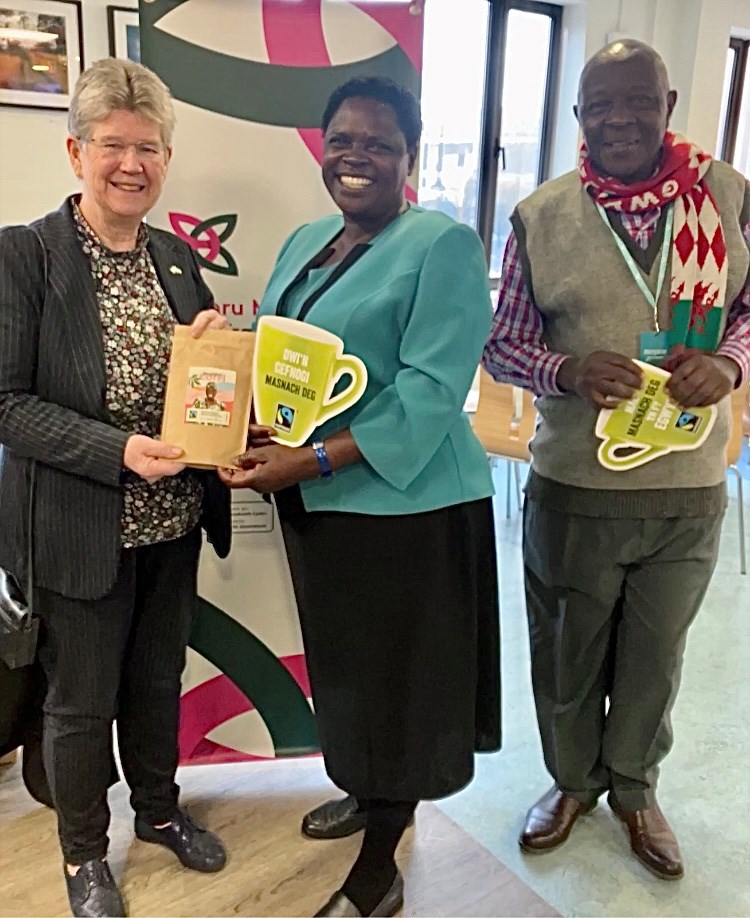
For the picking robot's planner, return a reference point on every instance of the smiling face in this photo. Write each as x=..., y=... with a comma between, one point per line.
x=366, y=161
x=123, y=165
x=624, y=107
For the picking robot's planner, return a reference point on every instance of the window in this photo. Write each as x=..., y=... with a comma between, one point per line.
x=529, y=62
x=455, y=61
x=488, y=78
x=733, y=144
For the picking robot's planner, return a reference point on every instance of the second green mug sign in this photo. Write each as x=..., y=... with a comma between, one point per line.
x=650, y=425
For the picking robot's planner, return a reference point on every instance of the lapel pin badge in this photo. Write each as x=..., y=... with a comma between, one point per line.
x=175, y=270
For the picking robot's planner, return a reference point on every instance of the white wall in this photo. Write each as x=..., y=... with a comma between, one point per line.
x=719, y=18
x=34, y=172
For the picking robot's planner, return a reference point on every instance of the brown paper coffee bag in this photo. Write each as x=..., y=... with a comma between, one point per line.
x=209, y=390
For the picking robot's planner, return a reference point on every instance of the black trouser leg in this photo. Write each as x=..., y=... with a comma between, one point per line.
x=82, y=650
x=149, y=702
x=119, y=656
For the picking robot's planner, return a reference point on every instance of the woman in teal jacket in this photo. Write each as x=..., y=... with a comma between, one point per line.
x=388, y=525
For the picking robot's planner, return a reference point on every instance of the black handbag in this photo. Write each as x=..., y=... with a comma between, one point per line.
x=19, y=628
x=22, y=682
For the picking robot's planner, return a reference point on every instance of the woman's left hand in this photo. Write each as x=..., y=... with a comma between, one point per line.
x=205, y=320
x=267, y=469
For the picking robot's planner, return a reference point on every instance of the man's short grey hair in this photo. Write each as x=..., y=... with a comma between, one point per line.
x=623, y=50
x=119, y=85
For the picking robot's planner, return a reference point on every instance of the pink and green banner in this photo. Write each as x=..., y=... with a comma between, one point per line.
x=250, y=79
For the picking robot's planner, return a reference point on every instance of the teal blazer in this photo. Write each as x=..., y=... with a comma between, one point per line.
x=416, y=309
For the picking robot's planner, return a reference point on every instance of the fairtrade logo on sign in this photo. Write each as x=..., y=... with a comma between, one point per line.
x=688, y=421
x=284, y=418
x=205, y=238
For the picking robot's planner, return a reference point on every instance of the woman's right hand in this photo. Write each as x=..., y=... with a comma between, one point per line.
x=257, y=436
x=151, y=459
x=235, y=478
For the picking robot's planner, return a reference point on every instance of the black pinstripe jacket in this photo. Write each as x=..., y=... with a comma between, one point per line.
x=52, y=408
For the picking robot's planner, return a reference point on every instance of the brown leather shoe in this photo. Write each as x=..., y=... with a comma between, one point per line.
x=651, y=840
x=550, y=820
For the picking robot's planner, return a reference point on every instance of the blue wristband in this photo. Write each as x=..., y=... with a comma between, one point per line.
x=322, y=456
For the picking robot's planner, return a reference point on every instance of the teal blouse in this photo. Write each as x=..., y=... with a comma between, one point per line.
x=416, y=309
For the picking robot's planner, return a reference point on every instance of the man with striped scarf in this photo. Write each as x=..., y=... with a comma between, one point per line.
x=641, y=253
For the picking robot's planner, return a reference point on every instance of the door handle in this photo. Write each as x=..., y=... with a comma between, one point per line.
x=499, y=153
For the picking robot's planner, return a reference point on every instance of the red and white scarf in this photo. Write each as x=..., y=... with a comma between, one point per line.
x=699, y=253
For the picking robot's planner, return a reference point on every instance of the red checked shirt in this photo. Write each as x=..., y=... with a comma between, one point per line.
x=515, y=352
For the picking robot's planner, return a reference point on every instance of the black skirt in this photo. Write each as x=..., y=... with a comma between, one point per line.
x=400, y=623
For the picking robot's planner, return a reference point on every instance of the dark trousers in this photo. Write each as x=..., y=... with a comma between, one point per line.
x=120, y=657
x=609, y=605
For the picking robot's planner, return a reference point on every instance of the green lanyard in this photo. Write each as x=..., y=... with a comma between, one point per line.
x=651, y=298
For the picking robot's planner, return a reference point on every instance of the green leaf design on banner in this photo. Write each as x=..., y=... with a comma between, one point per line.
x=229, y=265
x=224, y=263
x=251, y=90
x=258, y=673
x=228, y=220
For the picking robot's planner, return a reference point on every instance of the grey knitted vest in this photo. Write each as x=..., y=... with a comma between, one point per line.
x=589, y=301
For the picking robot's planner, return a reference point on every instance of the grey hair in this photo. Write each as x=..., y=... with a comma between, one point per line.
x=112, y=84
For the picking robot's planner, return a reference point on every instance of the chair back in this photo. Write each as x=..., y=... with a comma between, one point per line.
x=740, y=401
x=505, y=419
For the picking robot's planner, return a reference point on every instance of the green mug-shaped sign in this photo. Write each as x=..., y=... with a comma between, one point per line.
x=295, y=371
x=650, y=425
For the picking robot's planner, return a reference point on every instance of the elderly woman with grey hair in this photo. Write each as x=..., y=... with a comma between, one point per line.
x=104, y=514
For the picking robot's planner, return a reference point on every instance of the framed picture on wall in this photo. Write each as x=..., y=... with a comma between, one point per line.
x=124, y=32
x=41, y=52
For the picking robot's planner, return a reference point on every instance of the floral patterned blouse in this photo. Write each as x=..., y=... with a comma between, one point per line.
x=137, y=325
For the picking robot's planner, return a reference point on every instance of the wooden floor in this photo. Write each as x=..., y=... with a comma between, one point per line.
x=272, y=869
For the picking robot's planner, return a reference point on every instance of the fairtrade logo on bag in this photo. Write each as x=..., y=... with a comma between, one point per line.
x=650, y=425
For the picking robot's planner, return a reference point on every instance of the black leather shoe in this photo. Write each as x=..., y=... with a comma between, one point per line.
x=93, y=893
x=339, y=906
x=196, y=847
x=335, y=819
